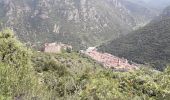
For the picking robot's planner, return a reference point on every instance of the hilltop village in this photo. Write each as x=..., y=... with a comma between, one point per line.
x=106, y=59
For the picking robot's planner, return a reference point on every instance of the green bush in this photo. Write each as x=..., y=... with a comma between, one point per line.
x=17, y=76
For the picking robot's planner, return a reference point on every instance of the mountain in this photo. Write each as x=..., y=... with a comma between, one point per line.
x=156, y=4
x=160, y=4
x=164, y=15
x=80, y=23
x=139, y=10
x=147, y=45
x=31, y=75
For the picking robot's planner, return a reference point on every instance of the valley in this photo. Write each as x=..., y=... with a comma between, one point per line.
x=81, y=23
x=149, y=44
x=84, y=50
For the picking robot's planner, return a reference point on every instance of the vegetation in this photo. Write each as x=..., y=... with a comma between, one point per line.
x=71, y=76
x=17, y=76
x=30, y=75
x=148, y=45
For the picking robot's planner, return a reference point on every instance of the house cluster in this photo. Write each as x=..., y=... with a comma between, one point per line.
x=106, y=59
x=110, y=61
x=56, y=47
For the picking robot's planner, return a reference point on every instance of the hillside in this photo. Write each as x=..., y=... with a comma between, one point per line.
x=59, y=72
x=79, y=23
x=156, y=4
x=31, y=75
x=148, y=45
x=159, y=4
x=164, y=15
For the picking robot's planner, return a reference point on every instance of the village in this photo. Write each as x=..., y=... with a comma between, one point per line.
x=110, y=61
x=106, y=59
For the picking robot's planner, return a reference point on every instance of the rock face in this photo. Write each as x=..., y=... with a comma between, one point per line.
x=80, y=23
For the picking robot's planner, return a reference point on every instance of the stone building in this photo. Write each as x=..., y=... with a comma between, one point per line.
x=56, y=47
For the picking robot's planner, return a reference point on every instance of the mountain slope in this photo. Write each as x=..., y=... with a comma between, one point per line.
x=164, y=15
x=71, y=76
x=160, y=4
x=79, y=23
x=156, y=4
x=150, y=44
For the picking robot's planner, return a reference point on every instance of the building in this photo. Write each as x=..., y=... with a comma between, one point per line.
x=56, y=47
x=109, y=61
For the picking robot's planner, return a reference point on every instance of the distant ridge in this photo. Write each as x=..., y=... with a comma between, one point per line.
x=147, y=45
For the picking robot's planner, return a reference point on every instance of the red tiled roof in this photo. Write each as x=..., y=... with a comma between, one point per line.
x=109, y=60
